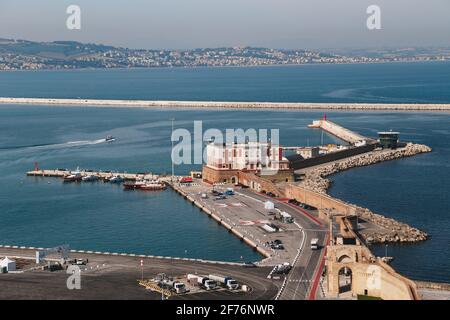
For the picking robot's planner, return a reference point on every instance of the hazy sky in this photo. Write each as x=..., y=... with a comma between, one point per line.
x=212, y=23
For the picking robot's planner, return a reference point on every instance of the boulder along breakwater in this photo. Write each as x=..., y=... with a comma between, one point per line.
x=390, y=230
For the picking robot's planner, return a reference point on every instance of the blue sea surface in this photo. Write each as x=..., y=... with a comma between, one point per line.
x=381, y=82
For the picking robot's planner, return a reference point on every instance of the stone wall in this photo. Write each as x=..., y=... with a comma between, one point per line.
x=260, y=184
x=211, y=175
x=369, y=276
x=334, y=156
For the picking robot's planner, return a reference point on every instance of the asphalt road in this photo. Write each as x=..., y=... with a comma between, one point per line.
x=305, y=270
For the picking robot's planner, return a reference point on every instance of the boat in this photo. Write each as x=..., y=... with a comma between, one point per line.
x=110, y=138
x=153, y=186
x=133, y=185
x=144, y=185
x=89, y=178
x=115, y=179
x=73, y=176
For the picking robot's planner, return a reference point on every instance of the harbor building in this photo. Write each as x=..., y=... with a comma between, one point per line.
x=388, y=139
x=225, y=161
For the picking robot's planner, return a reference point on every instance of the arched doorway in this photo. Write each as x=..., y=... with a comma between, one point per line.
x=345, y=280
x=344, y=259
x=233, y=180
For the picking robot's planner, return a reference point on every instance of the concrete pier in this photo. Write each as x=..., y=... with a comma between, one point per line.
x=56, y=173
x=226, y=104
x=339, y=131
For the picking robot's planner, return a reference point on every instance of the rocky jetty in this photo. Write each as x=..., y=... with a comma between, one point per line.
x=390, y=229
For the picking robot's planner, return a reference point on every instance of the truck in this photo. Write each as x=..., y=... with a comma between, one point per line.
x=314, y=244
x=202, y=281
x=175, y=286
x=283, y=268
x=286, y=217
x=228, y=282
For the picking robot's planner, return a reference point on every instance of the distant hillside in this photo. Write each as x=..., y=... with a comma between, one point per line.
x=30, y=55
x=52, y=50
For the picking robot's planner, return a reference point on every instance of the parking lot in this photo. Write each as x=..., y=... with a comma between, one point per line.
x=248, y=215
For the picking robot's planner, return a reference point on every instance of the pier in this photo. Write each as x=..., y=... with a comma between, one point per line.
x=56, y=173
x=340, y=132
x=225, y=104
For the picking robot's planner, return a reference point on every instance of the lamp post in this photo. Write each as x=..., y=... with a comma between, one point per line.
x=171, y=158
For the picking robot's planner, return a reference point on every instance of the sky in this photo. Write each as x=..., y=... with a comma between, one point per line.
x=186, y=24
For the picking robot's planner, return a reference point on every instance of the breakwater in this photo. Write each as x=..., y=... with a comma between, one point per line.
x=227, y=104
x=390, y=229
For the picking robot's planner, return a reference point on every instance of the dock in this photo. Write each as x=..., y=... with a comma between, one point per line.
x=340, y=132
x=57, y=173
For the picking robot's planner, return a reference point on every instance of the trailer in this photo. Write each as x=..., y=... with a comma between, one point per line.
x=268, y=228
x=228, y=282
x=202, y=281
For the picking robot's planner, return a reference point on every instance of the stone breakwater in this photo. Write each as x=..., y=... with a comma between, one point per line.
x=226, y=104
x=390, y=229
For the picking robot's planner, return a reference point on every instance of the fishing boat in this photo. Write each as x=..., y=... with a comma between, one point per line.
x=133, y=185
x=144, y=185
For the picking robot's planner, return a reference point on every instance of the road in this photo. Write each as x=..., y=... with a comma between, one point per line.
x=305, y=269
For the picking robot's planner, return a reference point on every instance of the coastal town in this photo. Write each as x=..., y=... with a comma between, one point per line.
x=28, y=55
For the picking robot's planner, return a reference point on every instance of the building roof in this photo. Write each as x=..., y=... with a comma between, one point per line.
x=294, y=158
x=6, y=260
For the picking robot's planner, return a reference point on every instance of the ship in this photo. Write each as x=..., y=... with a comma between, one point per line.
x=152, y=185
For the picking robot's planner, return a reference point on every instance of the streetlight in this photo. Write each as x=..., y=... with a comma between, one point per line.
x=173, y=165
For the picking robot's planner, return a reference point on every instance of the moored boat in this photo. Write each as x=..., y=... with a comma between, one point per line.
x=89, y=178
x=73, y=176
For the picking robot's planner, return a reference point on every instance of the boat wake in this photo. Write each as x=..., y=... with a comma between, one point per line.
x=69, y=144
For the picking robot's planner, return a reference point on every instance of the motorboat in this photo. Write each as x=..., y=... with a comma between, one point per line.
x=73, y=176
x=116, y=179
x=89, y=178
x=110, y=138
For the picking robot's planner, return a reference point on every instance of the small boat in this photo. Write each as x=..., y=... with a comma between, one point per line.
x=110, y=139
x=133, y=185
x=73, y=176
x=89, y=178
x=115, y=179
x=153, y=186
